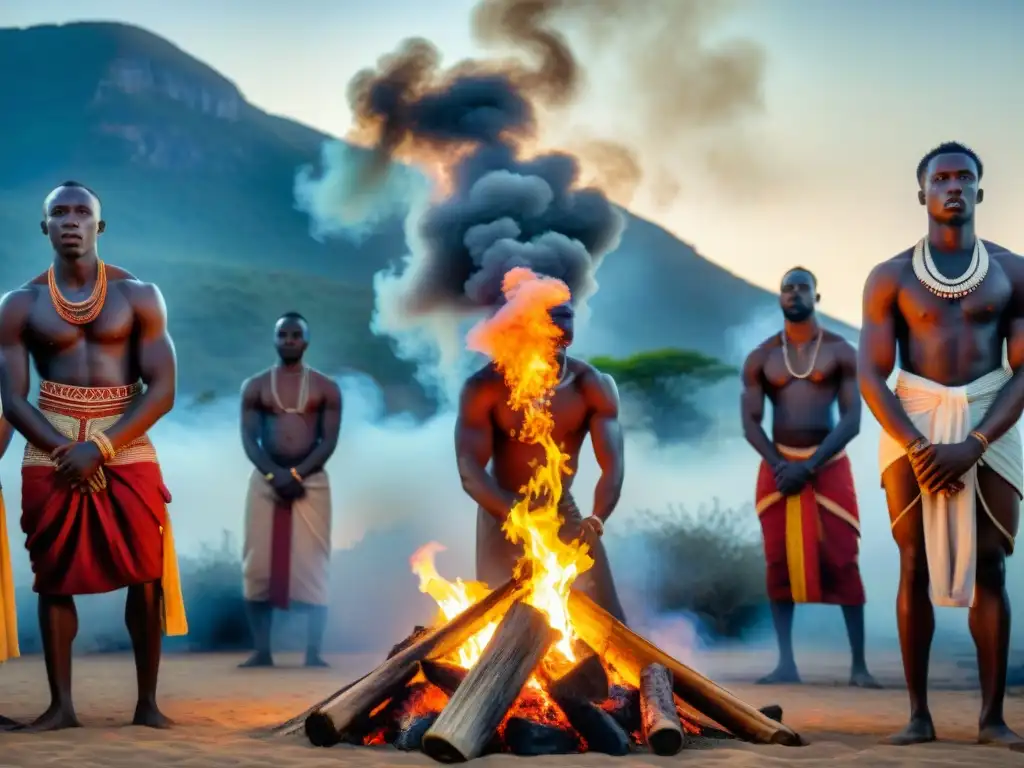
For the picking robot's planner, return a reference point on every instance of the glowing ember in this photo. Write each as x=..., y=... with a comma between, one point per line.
x=522, y=340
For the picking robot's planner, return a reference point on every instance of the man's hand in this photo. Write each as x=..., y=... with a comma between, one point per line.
x=582, y=531
x=77, y=462
x=939, y=467
x=287, y=487
x=792, y=476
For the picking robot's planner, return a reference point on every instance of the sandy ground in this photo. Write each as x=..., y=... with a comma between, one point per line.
x=218, y=709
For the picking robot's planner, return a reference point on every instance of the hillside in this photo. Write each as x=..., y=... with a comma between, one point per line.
x=197, y=191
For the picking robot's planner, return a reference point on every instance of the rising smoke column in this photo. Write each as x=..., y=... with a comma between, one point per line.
x=494, y=208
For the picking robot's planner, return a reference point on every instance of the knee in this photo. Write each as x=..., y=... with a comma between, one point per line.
x=914, y=566
x=991, y=570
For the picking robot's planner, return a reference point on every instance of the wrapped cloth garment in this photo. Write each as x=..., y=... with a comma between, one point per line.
x=812, y=539
x=112, y=534
x=286, y=555
x=947, y=415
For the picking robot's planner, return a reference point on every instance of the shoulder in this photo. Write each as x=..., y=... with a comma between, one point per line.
x=759, y=354
x=599, y=388
x=884, y=279
x=482, y=386
x=840, y=347
x=15, y=305
x=324, y=383
x=1011, y=263
x=146, y=298
x=254, y=383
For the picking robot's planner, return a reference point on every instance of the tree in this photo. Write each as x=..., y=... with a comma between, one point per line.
x=664, y=382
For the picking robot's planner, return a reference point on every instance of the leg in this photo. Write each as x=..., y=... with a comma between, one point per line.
x=143, y=619
x=599, y=584
x=317, y=617
x=853, y=615
x=58, y=623
x=786, y=671
x=261, y=615
x=989, y=616
x=915, y=616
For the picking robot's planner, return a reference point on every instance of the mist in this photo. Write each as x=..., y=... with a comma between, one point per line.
x=395, y=487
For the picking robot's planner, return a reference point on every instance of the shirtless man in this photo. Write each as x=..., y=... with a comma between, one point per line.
x=93, y=499
x=585, y=402
x=804, y=371
x=291, y=418
x=951, y=457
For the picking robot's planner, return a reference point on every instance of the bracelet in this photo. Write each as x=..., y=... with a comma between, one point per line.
x=981, y=439
x=103, y=443
x=596, y=521
x=296, y=475
x=917, y=445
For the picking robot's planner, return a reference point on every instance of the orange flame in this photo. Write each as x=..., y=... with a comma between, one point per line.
x=522, y=340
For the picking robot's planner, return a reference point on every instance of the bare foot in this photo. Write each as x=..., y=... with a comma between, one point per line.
x=258, y=659
x=782, y=675
x=863, y=679
x=920, y=730
x=6, y=724
x=56, y=718
x=314, y=660
x=149, y=715
x=999, y=735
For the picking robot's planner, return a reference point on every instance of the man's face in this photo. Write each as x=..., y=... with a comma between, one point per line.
x=72, y=221
x=798, y=296
x=563, y=316
x=291, y=337
x=950, y=189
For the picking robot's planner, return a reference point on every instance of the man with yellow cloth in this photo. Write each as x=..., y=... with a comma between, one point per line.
x=8, y=610
x=806, y=500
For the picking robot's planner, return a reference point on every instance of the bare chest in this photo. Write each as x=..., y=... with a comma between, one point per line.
x=48, y=331
x=568, y=409
x=784, y=367
x=923, y=311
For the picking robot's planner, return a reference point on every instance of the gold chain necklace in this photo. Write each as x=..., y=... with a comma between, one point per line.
x=814, y=355
x=79, y=312
x=303, y=398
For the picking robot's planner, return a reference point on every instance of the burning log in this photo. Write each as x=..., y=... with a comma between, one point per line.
x=629, y=653
x=447, y=677
x=662, y=731
x=492, y=685
x=351, y=702
x=322, y=731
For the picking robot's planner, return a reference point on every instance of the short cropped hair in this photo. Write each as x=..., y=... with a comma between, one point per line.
x=948, y=148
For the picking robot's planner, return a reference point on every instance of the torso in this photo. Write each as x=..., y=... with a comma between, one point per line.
x=513, y=460
x=952, y=341
x=102, y=353
x=802, y=408
x=288, y=438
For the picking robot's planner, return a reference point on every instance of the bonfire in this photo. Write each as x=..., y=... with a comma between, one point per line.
x=530, y=666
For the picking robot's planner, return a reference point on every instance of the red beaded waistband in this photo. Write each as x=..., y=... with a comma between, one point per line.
x=86, y=402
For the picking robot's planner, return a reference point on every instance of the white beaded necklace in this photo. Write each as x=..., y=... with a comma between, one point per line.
x=950, y=288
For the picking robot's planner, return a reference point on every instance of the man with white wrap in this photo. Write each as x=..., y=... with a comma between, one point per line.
x=950, y=453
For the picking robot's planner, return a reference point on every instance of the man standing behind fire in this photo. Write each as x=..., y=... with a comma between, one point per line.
x=291, y=419
x=806, y=500
x=585, y=402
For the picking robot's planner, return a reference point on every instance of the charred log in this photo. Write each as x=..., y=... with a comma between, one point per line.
x=350, y=703
x=410, y=737
x=479, y=705
x=447, y=677
x=529, y=738
x=629, y=653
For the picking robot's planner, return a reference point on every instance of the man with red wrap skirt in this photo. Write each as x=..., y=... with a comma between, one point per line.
x=94, y=505
x=806, y=500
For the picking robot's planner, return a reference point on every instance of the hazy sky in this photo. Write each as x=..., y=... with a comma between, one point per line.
x=854, y=94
